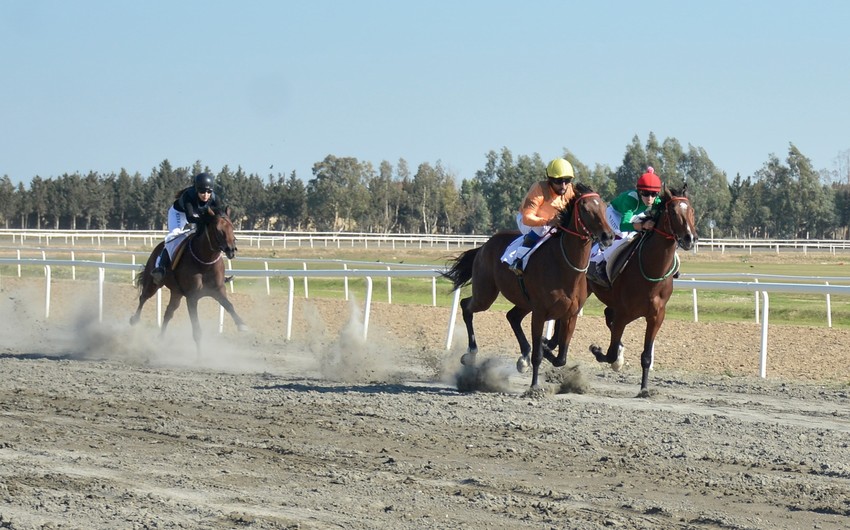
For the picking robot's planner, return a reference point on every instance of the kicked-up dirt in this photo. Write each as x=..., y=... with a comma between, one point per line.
x=104, y=426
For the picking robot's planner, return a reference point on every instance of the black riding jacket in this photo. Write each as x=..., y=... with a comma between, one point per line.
x=189, y=203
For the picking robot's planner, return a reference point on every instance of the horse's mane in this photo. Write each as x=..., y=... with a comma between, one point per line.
x=564, y=215
x=676, y=192
x=581, y=189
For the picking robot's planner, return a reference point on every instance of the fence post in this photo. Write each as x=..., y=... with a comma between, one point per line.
x=828, y=309
x=268, y=279
x=696, y=311
x=345, y=281
x=452, y=319
x=389, y=287
x=763, y=363
x=47, y=292
x=368, y=306
x=757, y=303
x=101, y=275
x=289, y=308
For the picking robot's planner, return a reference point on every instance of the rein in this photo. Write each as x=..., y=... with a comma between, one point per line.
x=587, y=235
x=667, y=235
x=212, y=248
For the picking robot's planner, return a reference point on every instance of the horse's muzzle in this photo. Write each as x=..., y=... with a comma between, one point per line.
x=687, y=241
x=230, y=252
x=605, y=239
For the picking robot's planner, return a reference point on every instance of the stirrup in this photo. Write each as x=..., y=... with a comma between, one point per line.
x=516, y=267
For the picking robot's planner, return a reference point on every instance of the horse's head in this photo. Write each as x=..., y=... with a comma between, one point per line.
x=677, y=218
x=219, y=229
x=585, y=217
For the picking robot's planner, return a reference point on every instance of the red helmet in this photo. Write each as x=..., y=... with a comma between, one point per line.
x=649, y=181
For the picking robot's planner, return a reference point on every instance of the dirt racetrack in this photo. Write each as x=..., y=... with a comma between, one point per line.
x=103, y=426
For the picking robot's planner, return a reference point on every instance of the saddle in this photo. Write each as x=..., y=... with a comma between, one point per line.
x=181, y=248
x=615, y=261
x=182, y=240
x=620, y=257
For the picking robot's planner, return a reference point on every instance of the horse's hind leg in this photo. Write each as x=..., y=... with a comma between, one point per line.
x=484, y=293
x=468, y=358
x=515, y=316
x=147, y=290
x=173, y=304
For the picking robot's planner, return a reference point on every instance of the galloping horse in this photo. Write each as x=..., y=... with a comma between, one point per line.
x=196, y=275
x=552, y=287
x=645, y=283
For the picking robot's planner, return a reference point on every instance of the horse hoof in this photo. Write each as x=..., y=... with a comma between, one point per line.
x=617, y=365
x=243, y=327
x=597, y=352
x=535, y=392
x=468, y=359
x=134, y=320
x=522, y=364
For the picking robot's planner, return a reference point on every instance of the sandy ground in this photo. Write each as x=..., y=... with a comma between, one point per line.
x=105, y=426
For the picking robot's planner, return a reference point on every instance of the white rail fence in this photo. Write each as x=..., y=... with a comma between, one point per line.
x=761, y=290
x=279, y=239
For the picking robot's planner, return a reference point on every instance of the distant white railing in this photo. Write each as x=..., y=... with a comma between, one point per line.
x=281, y=239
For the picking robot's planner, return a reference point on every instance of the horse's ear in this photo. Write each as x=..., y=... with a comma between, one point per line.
x=227, y=211
x=685, y=189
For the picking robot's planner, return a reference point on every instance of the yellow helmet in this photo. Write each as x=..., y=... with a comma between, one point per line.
x=560, y=169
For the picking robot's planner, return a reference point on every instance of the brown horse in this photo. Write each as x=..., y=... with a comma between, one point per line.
x=552, y=286
x=198, y=273
x=645, y=283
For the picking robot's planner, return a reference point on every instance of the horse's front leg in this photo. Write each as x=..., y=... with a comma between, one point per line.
x=515, y=316
x=566, y=326
x=614, y=355
x=537, y=322
x=653, y=324
x=549, y=345
x=220, y=295
x=192, y=306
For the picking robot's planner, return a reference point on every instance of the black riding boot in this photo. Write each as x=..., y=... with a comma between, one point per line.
x=599, y=272
x=158, y=274
x=528, y=242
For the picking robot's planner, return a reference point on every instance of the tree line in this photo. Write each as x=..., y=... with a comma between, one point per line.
x=783, y=199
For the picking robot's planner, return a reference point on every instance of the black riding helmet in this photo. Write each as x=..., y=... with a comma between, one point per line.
x=204, y=181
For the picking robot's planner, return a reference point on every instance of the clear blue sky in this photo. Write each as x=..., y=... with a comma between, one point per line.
x=101, y=85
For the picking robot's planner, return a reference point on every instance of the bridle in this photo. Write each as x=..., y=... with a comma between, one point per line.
x=586, y=234
x=218, y=247
x=669, y=204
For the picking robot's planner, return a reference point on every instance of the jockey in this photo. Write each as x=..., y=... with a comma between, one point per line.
x=542, y=203
x=190, y=204
x=629, y=213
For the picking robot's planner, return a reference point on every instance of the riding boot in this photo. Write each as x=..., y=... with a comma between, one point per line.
x=516, y=266
x=528, y=242
x=158, y=274
x=599, y=273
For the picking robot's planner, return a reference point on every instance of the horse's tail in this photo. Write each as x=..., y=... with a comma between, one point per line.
x=460, y=273
x=138, y=281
